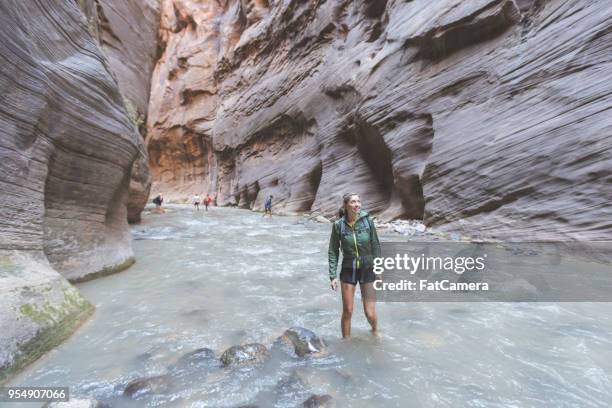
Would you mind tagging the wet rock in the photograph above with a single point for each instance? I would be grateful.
(318, 401)
(77, 403)
(149, 385)
(244, 354)
(322, 219)
(303, 341)
(154, 358)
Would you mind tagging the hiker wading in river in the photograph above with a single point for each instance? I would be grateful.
(354, 233)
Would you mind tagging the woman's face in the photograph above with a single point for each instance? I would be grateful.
(354, 204)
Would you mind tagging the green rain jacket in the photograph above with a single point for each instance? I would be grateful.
(360, 243)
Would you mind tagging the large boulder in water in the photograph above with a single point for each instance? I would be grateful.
(244, 354)
(304, 341)
(149, 385)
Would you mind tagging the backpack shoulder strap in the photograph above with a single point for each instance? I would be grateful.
(366, 223)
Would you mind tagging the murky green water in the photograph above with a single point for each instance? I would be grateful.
(224, 277)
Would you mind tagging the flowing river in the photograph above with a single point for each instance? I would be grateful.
(226, 277)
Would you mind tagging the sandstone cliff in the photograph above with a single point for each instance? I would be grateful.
(126, 33)
(69, 155)
(491, 116)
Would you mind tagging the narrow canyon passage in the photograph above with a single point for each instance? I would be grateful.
(225, 277)
(484, 121)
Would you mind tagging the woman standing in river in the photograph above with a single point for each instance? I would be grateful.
(355, 234)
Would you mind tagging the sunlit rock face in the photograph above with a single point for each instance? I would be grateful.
(69, 153)
(486, 116)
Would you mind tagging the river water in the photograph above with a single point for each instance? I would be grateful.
(225, 277)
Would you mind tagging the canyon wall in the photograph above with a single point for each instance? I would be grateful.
(489, 117)
(126, 33)
(70, 159)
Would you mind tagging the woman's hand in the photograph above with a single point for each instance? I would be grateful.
(334, 284)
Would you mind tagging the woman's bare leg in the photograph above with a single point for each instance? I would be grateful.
(348, 297)
(368, 297)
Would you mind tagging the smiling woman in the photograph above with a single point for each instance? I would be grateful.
(354, 233)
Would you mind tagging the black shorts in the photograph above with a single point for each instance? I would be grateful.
(362, 275)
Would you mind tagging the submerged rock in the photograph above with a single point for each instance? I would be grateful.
(303, 341)
(302, 379)
(202, 357)
(149, 385)
(319, 401)
(244, 354)
(296, 381)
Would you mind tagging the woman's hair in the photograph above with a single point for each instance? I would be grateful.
(345, 199)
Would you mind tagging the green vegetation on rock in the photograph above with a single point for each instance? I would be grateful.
(57, 322)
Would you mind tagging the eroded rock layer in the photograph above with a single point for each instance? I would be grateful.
(69, 154)
(126, 32)
(489, 116)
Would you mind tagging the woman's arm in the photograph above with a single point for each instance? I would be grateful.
(333, 252)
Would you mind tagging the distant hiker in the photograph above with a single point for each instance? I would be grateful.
(268, 207)
(196, 202)
(158, 201)
(207, 201)
(355, 235)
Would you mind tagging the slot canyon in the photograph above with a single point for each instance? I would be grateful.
(488, 118)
